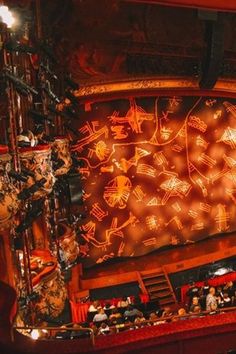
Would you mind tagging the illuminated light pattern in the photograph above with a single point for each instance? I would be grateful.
(229, 137)
(117, 192)
(202, 186)
(125, 165)
(97, 212)
(149, 242)
(193, 213)
(118, 132)
(176, 207)
(222, 218)
(160, 159)
(147, 170)
(105, 258)
(84, 172)
(177, 148)
(134, 117)
(201, 142)
(197, 123)
(93, 135)
(210, 102)
(205, 207)
(217, 114)
(174, 240)
(177, 221)
(198, 226)
(231, 108)
(100, 149)
(154, 202)
(174, 187)
(230, 193)
(107, 169)
(152, 222)
(165, 133)
(138, 193)
(207, 160)
(156, 173)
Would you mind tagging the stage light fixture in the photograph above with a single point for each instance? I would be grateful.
(46, 69)
(40, 117)
(14, 46)
(18, 82)
(6, 16)
(71, 83)
(28, 192)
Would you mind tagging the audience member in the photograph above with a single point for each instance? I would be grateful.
(211, 301)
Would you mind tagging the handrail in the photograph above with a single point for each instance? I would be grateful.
(56, 328)
(171, 318)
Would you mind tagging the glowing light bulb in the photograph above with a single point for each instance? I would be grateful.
(6, 16)
(34, 334)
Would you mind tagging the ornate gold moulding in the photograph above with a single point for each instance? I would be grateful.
(152, 86)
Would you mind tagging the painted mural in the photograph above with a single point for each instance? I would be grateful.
(157, 172)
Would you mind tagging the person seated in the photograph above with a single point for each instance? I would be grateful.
(195, 302)
(211, 299)
(167, 312)
(181, 314)
(192, 291)
(131, 313)
(93, 310)
(205, 289)
(107, 308)
(155, 320)
(226, 301)
(139, 319)
(103, 329)
(63, 333)
(100, 316)
(123, 303)
(77, 333)
(229, 288)
(213, 309)
(115, 314)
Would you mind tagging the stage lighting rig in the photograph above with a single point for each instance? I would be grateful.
(18, 82)
(48, 71)
(15, 46)
(17, 176)
(39, 117)
(51, 94)
(35, 211)
(6, 16)
(28, 192)
(71, 83)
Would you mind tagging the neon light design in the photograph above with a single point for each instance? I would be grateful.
(197, 123)
(117, 192)
(147, 174)
(201, 142)
(152, 222)
(100, 149)
(124, 165)
(174, 187)
(222, 218)
(229, 137)
(134, 117)
(98, 212)
(147, 170)
(138, 193)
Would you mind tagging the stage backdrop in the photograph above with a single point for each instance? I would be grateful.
(158, 171)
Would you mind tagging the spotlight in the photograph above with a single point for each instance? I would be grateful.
(34, 334)
(6, 16)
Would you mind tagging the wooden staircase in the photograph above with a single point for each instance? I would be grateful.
(159, 288)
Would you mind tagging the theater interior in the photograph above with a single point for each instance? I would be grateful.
(117, 184)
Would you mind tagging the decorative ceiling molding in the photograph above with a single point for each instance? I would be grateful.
(146, 86)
